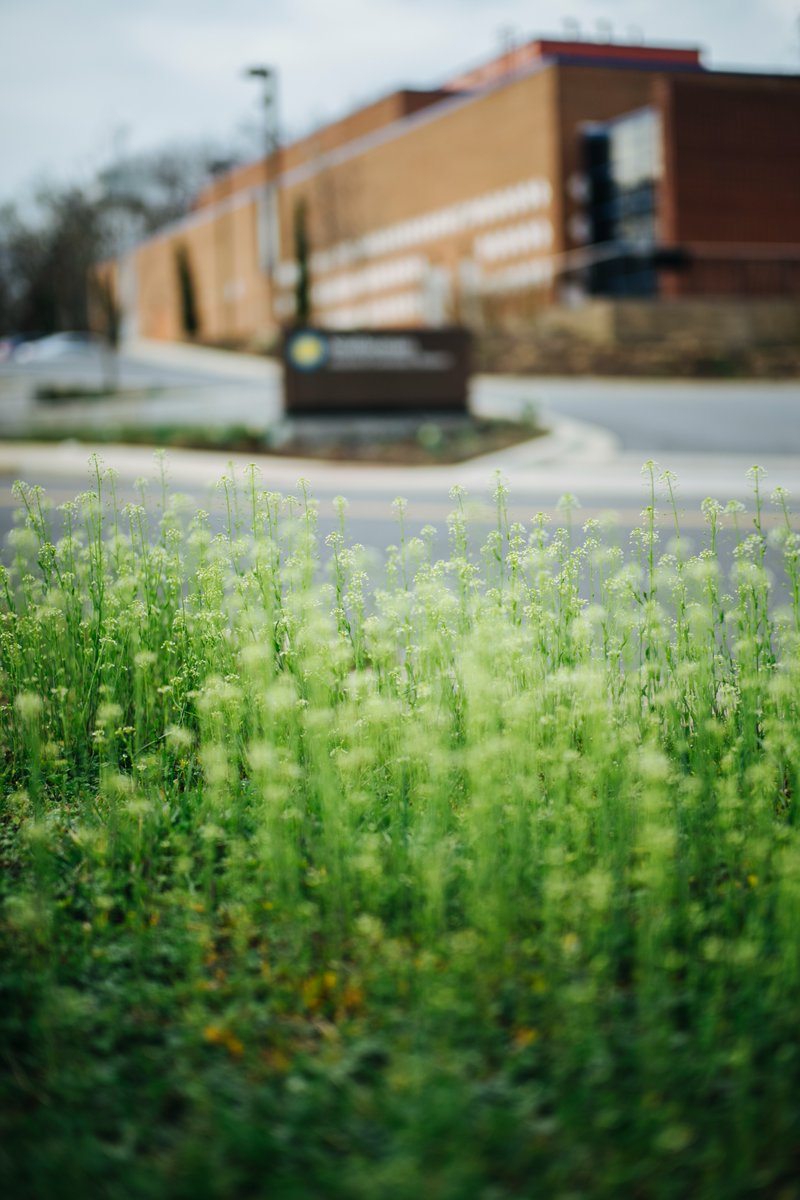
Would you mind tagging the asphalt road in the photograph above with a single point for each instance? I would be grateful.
(159, 387)
(184, 386)
(615, 487)
(372, 520)
(707, 433)
(656, 417)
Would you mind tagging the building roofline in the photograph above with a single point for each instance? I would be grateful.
(444, 107)
(744, 74)
(345, 152)
(662, 67)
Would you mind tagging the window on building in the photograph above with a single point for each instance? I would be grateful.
(623, 166)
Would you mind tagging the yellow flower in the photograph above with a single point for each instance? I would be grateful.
(525, 1037)
(310, 992)
(234, 1047)
(277, 1059)
(353, 997)
(217, 1036)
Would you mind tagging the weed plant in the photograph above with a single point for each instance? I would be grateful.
(480, 881)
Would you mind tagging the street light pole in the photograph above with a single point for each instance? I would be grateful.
(270, 227)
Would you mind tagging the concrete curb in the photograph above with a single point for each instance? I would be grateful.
(568, 442)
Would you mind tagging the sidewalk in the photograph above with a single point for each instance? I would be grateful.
(569, 443)
(228, 364)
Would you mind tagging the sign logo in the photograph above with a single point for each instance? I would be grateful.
(308, 351)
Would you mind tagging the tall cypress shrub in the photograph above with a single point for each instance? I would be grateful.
(301, 254)
(190, 320)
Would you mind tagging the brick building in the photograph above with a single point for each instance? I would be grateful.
(557, 170)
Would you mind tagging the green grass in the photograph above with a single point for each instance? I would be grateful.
(450, 884)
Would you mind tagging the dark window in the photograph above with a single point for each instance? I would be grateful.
(623, 166)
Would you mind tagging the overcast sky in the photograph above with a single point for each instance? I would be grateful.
(79, 76)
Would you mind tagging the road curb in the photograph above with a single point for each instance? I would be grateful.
(568, 442)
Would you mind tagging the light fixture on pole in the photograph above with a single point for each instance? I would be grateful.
(269, 226)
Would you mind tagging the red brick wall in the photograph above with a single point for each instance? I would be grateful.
(732, 158)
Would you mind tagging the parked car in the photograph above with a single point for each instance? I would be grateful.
(56, 346)
(10, 344)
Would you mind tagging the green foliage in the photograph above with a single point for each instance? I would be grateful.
(480, 881)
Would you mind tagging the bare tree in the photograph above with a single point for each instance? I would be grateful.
(45, 262)
(49, 255)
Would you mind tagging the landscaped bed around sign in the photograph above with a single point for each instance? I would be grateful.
(480, 879)
(426, 443)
